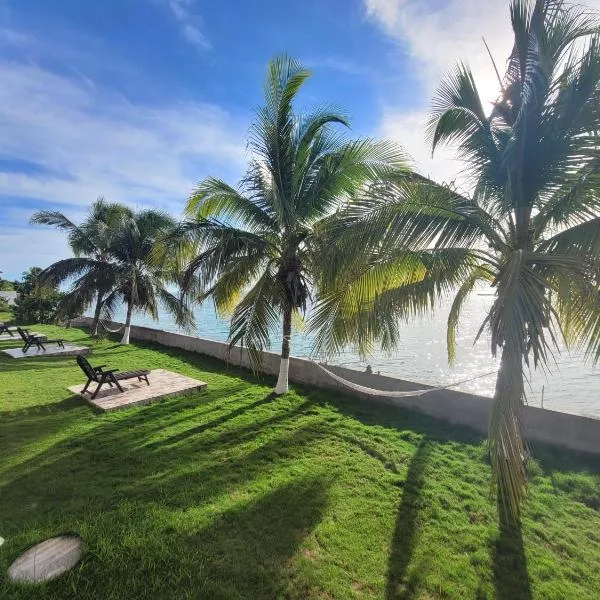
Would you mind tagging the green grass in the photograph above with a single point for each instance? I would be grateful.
(233, 493)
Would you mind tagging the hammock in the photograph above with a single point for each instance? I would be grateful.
(110, 330)
(394, 394)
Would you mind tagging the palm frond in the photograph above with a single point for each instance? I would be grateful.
(215, 199)
(479, 273)
(257, 316)
(184, 316)
(582, 240)
(54, 218)
(369, 302)
(272, 134)
(233, 280)
(342, 173)
(69, 268)
(418, 214)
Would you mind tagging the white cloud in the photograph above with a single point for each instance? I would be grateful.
(435, 40)
(408, 127)
(85, 140)
(18, 252)
(90, 141)
(437, 36)
(189, 22)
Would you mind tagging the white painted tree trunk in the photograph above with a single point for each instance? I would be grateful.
(282, 380)
(125, 338)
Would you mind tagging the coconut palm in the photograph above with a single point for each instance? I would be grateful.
(257, 248)
(531, 226)
(92, 270)
(139, 283)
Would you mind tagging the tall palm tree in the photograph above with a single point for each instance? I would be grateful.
(530, 228)
(139, 283)
(92, 270)
(257, 248)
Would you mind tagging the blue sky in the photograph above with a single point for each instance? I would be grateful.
(138, 99)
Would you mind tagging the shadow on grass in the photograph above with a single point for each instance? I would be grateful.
(114, 458)
(511, 578)
(38, 363)
(237, 412)
(33, 424)
(405, 531)
(71, 402)
(247, 551)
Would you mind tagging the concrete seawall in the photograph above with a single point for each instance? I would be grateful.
(560, 429)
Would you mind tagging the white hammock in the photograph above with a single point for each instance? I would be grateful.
(111, 330)
(390, 393)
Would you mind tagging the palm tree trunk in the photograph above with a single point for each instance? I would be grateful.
(282, 380)
(507, 448)
(96, 320)
(125, 339)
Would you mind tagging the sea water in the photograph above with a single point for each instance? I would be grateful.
(568, 383)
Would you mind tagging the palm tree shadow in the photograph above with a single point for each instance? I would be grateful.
(403, 541)
(511, 578)
(237, 412)
(248, 551)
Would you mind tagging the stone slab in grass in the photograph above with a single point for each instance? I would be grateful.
(51, 350)
(47, 560)
(6, 337)
(163, 384)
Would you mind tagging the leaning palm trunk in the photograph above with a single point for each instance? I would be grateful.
(282, 380)
(125, 338)
(507, 451)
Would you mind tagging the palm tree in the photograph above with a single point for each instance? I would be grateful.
(139, 283)
(257, 249)
(530, 228)
(92, 270)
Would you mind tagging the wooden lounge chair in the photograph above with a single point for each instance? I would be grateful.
(34, 340)
(5, 329)
(101, 376)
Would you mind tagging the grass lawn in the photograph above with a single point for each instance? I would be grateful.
(233, 493)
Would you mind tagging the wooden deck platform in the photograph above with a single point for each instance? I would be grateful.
(163, 384)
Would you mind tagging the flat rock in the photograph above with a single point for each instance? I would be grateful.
(51, 350)
(47, 560)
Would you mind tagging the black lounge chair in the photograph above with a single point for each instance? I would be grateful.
(5, 329)
(100, 376)
(34, 340)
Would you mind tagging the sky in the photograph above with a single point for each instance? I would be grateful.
(138, 100)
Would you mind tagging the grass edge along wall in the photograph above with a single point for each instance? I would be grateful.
(574, 432)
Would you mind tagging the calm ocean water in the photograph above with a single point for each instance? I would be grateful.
(569, 383)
